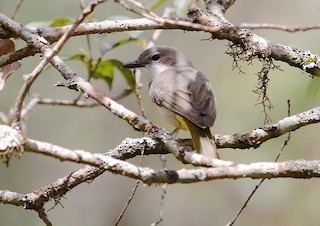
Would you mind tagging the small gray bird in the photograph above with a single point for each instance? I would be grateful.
(182, 93)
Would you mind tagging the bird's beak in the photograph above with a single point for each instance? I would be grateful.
(134, 64)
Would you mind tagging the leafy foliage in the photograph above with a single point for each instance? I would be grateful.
(61, 21)
(104, 69)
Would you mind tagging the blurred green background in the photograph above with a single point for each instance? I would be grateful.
(277, 202)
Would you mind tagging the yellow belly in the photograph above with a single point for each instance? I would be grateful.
(174, 119)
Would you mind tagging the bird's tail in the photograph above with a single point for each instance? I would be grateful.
(203, 140)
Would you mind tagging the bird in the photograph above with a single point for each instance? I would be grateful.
(182, 93)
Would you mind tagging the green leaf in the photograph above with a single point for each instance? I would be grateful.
(156, 4)
(107, 46)
(82, 56)
(79, 56)
(103, 70)
(61, 21)
(128, 75)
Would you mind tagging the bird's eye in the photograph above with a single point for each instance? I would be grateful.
(155, 57)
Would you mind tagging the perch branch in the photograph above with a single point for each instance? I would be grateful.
(35, 200)
(103, 162)
(293, 169)
(226, 169)
(99, 163)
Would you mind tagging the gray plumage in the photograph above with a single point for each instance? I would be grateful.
(180, 89)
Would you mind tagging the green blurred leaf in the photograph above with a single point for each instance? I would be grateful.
(107, 46)
(61, 21)
(83, 56)
(102, 70)
(156, 4)
(128, 75)
(78, 56)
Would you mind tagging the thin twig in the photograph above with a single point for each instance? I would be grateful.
(163, 192)
(148, 14)
(139, 100)
(173, 22)
(132, 194)
(134, 189)
(43, 216)
(49, 54)
(245, 204)
(126, 92)
(260, 183)
(157, 33)
(288, 137)
(140, 6)
(286, 28)
(63, 102)
(19, 3)
(162, 198)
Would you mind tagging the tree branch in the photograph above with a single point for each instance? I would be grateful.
(259, 135)
(102, 162)
(127, 149)
(99, 163)
(75, 82)
(294, 169)
(214, 23)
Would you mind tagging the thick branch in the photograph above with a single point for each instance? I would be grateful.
(216, 24)
(9, 197)
(259, 135)
(221, 169)
(99, 163)
(222, 5)
(36, 199)
(294, 169)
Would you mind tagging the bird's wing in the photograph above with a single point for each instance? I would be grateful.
(186, 92)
